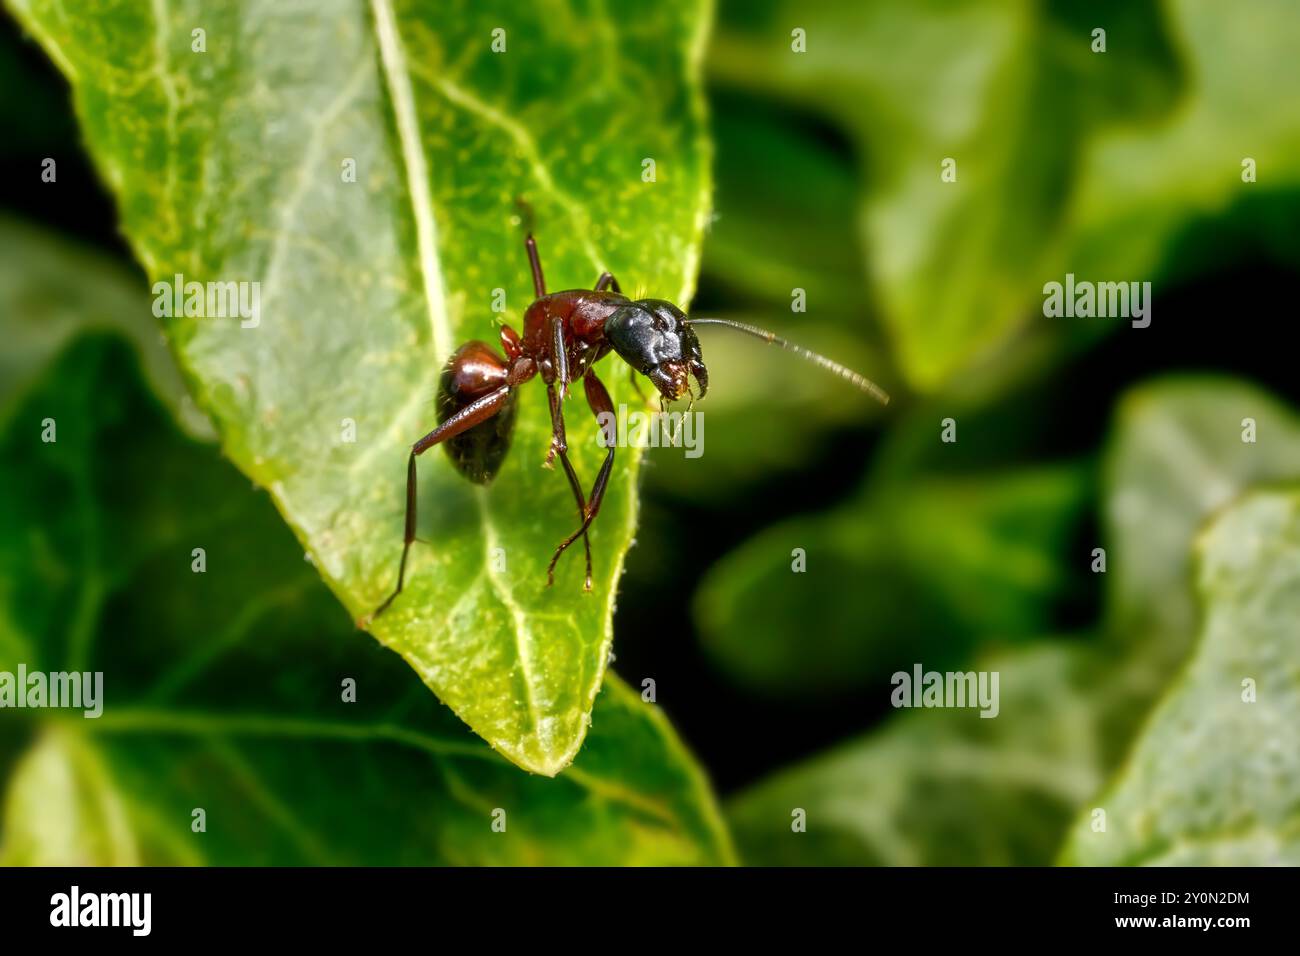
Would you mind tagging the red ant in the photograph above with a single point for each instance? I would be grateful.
(565, 334)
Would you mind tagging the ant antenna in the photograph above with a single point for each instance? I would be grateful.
(835, 368)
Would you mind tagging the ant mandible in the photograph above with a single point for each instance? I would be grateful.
(565, 334)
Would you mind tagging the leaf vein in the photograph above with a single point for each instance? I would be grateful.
(527, 145)
(398, 79)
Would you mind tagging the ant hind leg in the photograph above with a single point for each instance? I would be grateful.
(465, 419)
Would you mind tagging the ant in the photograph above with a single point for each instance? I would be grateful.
(565, 334)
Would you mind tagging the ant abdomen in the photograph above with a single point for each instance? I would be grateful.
(474, 371)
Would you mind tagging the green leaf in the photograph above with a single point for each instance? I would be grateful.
(1177, 456)
(1143, 186)
(1214, 779)
(942, 787)
(223, 690)
(915, 570)
(228, 165)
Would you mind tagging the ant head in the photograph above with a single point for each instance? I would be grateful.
(653, 337)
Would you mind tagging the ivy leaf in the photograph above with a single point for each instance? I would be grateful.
(229, 134)
(226, 690)
(1179, 454)
(1214, 779)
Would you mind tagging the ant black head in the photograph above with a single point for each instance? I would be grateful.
(653, 336)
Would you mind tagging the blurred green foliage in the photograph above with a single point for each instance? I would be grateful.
(1066, 158)
(1214, 777)
(937, 564)
(1122, 165)
(53, 291)
(948, 787)
(944, 787)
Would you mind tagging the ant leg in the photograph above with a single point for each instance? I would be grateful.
(599, 400)
(557, 429)
(469, 416)
(559, 441)
(407, 537)
(539, 282)
(560, 356)
(558, 352)
(526, 215)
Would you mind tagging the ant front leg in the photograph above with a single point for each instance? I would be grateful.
(558, 351)
(599, 400)
(469, 416)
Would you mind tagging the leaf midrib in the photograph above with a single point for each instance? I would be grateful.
(397, 79)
